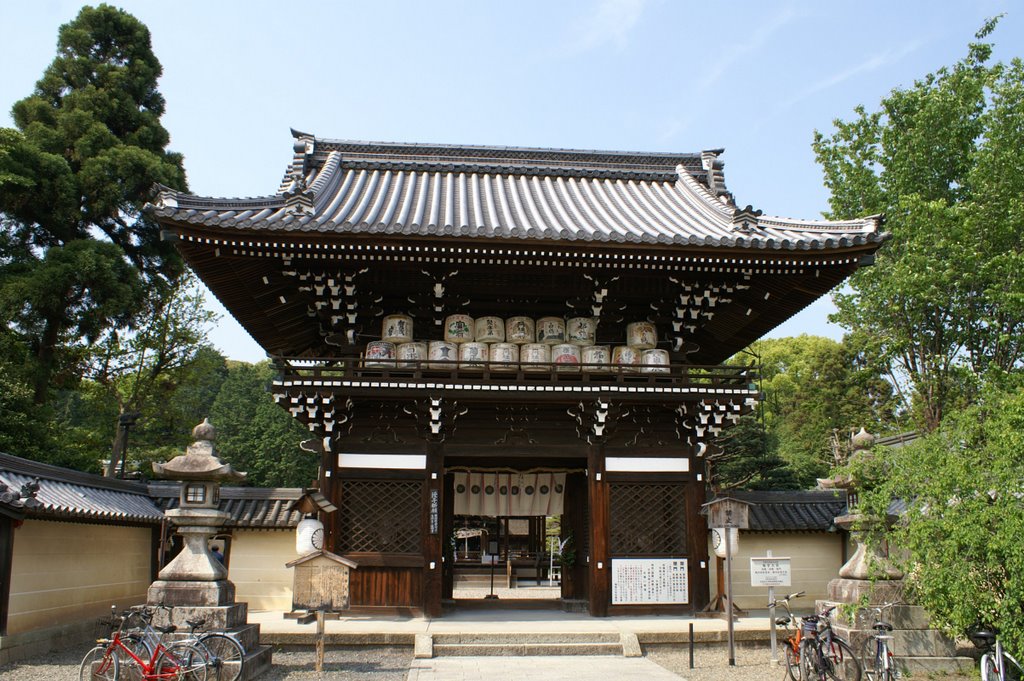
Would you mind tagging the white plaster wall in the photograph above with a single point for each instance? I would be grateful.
(72, 572)
(815, 559)
(257, 568)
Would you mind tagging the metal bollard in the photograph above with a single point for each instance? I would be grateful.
(691, 645)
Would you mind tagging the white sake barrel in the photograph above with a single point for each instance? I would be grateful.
(304, 531)
(504, 352)
(566, 357)
(626, 357)
(379, 354)
(409, 352)
(472, 355)
(551, 330)
(581, 331)
(458, 328)
(657, 361)
(397, 328)
(519, 330)
(641, 335)
(443, 355)
(598, 356)
(489, 330)
(532, 354)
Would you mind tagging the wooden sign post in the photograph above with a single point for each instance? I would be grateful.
(728, 513)
(320, 586)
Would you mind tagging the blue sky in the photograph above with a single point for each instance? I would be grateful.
(756, 78)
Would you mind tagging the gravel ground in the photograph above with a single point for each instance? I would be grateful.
(392, 664)
(290, 664)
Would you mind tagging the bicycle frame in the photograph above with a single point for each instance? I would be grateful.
(149, 670)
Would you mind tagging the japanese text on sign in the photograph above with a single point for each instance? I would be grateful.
(650, 580)
(770, 572)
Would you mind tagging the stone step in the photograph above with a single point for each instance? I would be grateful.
(526, 638)
(525, 649)
(926, 667)
(257, 662)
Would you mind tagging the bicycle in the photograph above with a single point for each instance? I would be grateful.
(225, 655)
(179, 661)
(792, 641)
(876, 653)
(996, 663)
(824, 654)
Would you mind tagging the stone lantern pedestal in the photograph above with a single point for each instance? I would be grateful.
(195, 583)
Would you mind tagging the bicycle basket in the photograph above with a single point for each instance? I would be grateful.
(809, 625)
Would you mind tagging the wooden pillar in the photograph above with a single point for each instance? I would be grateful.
(433, 538)
(600, 559)
(447, 530)
(697, 536)
(330, 487)
(6, 560)
(574, 524)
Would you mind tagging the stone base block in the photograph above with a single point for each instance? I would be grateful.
(852, 590)
(219, 617)
(220, 592)
(928, 667)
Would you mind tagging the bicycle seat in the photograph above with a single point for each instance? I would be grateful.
(783, 621)
(882, 626)
(196, 623)
(170, 629)
(982, 638)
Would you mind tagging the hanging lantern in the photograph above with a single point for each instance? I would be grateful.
(309, 536)
(718, 539)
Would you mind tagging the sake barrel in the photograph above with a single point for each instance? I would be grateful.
(657, 361)
(397, 328)
(442, 355)
(597, 356)
(626, 358)
(551, 330)
(533, 354)
(472, 355)
(581, 331)
(519, 330)
(504, 352)
(489, 330)
(409, 352)
(458, 328)
(566, 357)
(641, 335)
(379, 354)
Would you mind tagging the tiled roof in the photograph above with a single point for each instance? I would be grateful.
(71, 495)
(788, 511)
(250, 507)
(342, 187)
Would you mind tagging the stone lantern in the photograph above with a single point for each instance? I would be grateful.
(195, 577)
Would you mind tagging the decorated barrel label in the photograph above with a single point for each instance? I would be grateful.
(551, 330)
(641, 335)
(409, 352)
(472, 355)
(535, 356)
(626, 357)
(397, 328)
(519, 330)
(380, 354)
(458, 328)
(443, 355)
(489, 330)
(657, 361)
(566, 357)
(504, 357)
(581, 331)
(597, 357)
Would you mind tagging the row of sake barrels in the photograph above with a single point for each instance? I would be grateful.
(461, 328)
(508, 356)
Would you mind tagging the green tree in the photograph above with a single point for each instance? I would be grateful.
(77, 254)
(944, 160)
(960, 534)
(812, 386)
(256, 435)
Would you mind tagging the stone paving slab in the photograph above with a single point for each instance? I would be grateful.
(548, 668)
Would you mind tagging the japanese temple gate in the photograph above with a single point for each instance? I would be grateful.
(359, 232)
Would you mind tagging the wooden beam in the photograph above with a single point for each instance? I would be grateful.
(433, 530)
(600, 559)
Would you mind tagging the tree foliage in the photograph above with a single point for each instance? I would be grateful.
(256, 435)
(944, 160)
(961, 532)
(812, 386)
(77, 254)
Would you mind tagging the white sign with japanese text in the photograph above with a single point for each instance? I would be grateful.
(770, 572)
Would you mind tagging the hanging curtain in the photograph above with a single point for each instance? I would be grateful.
(509, 494)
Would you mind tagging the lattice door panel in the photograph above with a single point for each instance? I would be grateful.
(380, 515)
(648, 519)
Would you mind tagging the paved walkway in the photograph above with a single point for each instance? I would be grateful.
(547, 668)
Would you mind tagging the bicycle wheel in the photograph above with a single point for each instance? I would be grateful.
(792, 662)
(989, 671)
(808, 661)
(871, 660)
(838, 660)
(181, 661)
(225, 656)
(142, 648)
(98, 665)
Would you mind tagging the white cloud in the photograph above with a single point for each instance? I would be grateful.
(731, 54)
(612, 23)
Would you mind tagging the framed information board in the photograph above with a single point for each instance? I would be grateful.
(650, 580)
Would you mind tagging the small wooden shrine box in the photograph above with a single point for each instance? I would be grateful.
(321, 581)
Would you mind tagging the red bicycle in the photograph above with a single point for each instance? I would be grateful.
(119, 657)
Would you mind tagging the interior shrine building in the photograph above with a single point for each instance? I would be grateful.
(491, 345)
